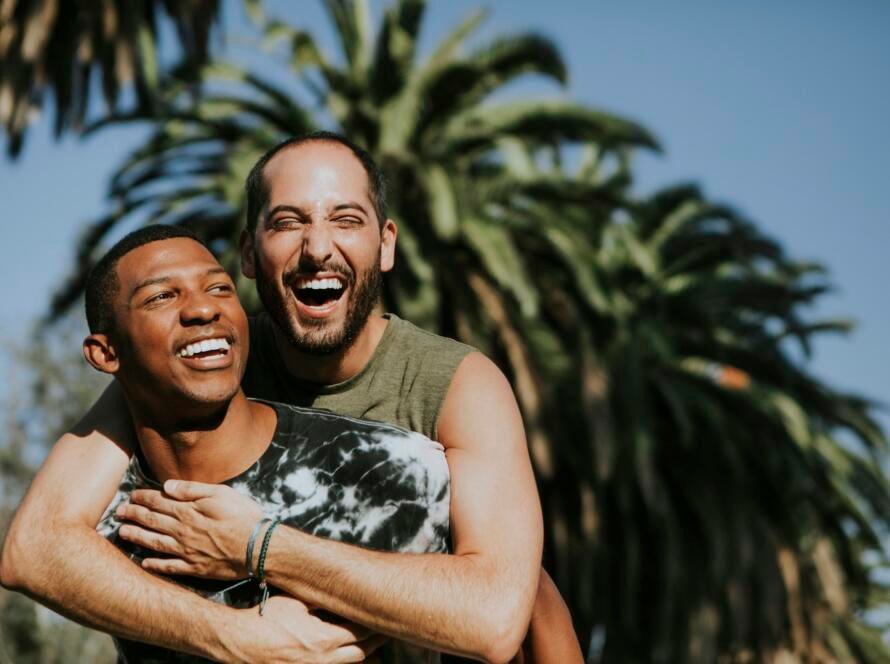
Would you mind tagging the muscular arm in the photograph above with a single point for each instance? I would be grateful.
(53, 553)
(476, 602)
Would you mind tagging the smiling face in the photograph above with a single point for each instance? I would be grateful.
(319, 251)
(180, 334)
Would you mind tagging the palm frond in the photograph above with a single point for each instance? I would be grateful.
(59, 47)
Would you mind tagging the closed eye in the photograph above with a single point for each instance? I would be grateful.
(349, 221)
(285, 223)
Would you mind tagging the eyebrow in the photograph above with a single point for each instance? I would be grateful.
(351, 205)
(153, 281)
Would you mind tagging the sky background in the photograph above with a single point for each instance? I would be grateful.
(778, 108)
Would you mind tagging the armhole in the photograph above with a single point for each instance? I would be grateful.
(437, 412)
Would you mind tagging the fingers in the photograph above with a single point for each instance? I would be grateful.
(355, 632)
(358, 652)
(373, 642)
(185, 490)
(286, 602)
(335, 636)
(170, 566)
(149, 539)
(148, 518)
(157, 502)
(345, 634)
(340, 641)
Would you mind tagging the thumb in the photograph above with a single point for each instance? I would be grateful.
(185, 490)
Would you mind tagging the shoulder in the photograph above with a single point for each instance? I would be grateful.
(477, 377)
(479, 404)
(420, 367)
(407, 332)
(433, 358)
(296, 419)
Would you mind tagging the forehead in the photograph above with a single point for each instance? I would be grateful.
(316, 172)
(174, 258)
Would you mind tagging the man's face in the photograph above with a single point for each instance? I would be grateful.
(180, 329)
(318, 252)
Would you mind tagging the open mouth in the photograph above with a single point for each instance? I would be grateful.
(206, 349)
(318, 293)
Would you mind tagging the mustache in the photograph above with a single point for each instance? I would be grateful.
(308, 267)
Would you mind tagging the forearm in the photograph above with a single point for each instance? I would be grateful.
(470, 605)
(76, 572)
(551, 635)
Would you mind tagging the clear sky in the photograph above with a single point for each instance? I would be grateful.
(779, 108)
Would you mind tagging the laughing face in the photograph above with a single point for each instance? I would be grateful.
(181, 334)
(319, 250)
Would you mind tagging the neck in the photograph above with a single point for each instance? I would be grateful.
(335, 368)
(209, 449)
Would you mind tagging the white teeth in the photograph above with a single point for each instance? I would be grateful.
(318, 284)
(204, 346)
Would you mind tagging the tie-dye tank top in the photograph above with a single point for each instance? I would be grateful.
(361, 482)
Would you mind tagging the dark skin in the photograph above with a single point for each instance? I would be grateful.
(352, 238)
(53, 552)
(171, 297)
(318, 213)
(191, 418)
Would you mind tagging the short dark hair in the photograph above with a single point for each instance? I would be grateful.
(258, 192)
(102, 283)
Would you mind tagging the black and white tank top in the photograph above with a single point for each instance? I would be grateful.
(366, 483)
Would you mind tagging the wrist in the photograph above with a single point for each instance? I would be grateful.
(283, 558)
(250, 557)
(243, 636)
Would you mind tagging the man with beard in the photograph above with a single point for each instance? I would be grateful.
(166, 323)
(317, 239)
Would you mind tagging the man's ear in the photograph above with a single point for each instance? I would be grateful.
(248, 269)
(388, 235)
(100, 353)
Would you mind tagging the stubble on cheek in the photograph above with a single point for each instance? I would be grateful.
(320, 336)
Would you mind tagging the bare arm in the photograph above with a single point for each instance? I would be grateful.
(53, 553)
(476, 602)
(551, 637)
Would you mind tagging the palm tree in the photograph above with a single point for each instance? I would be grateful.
(726, 496)
(435, 123)
(57, 46)
(704, 494)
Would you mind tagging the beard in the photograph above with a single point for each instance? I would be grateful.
(317, 337)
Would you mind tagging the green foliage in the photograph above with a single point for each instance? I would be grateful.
(48, 389)
(60, 47)
(706, 498)
(718, 489)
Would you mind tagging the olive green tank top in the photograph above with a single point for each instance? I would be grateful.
(404, 383)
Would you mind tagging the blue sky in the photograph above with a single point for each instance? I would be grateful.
(778, 108)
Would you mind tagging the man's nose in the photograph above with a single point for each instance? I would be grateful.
(317, 243)
(198, 309)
